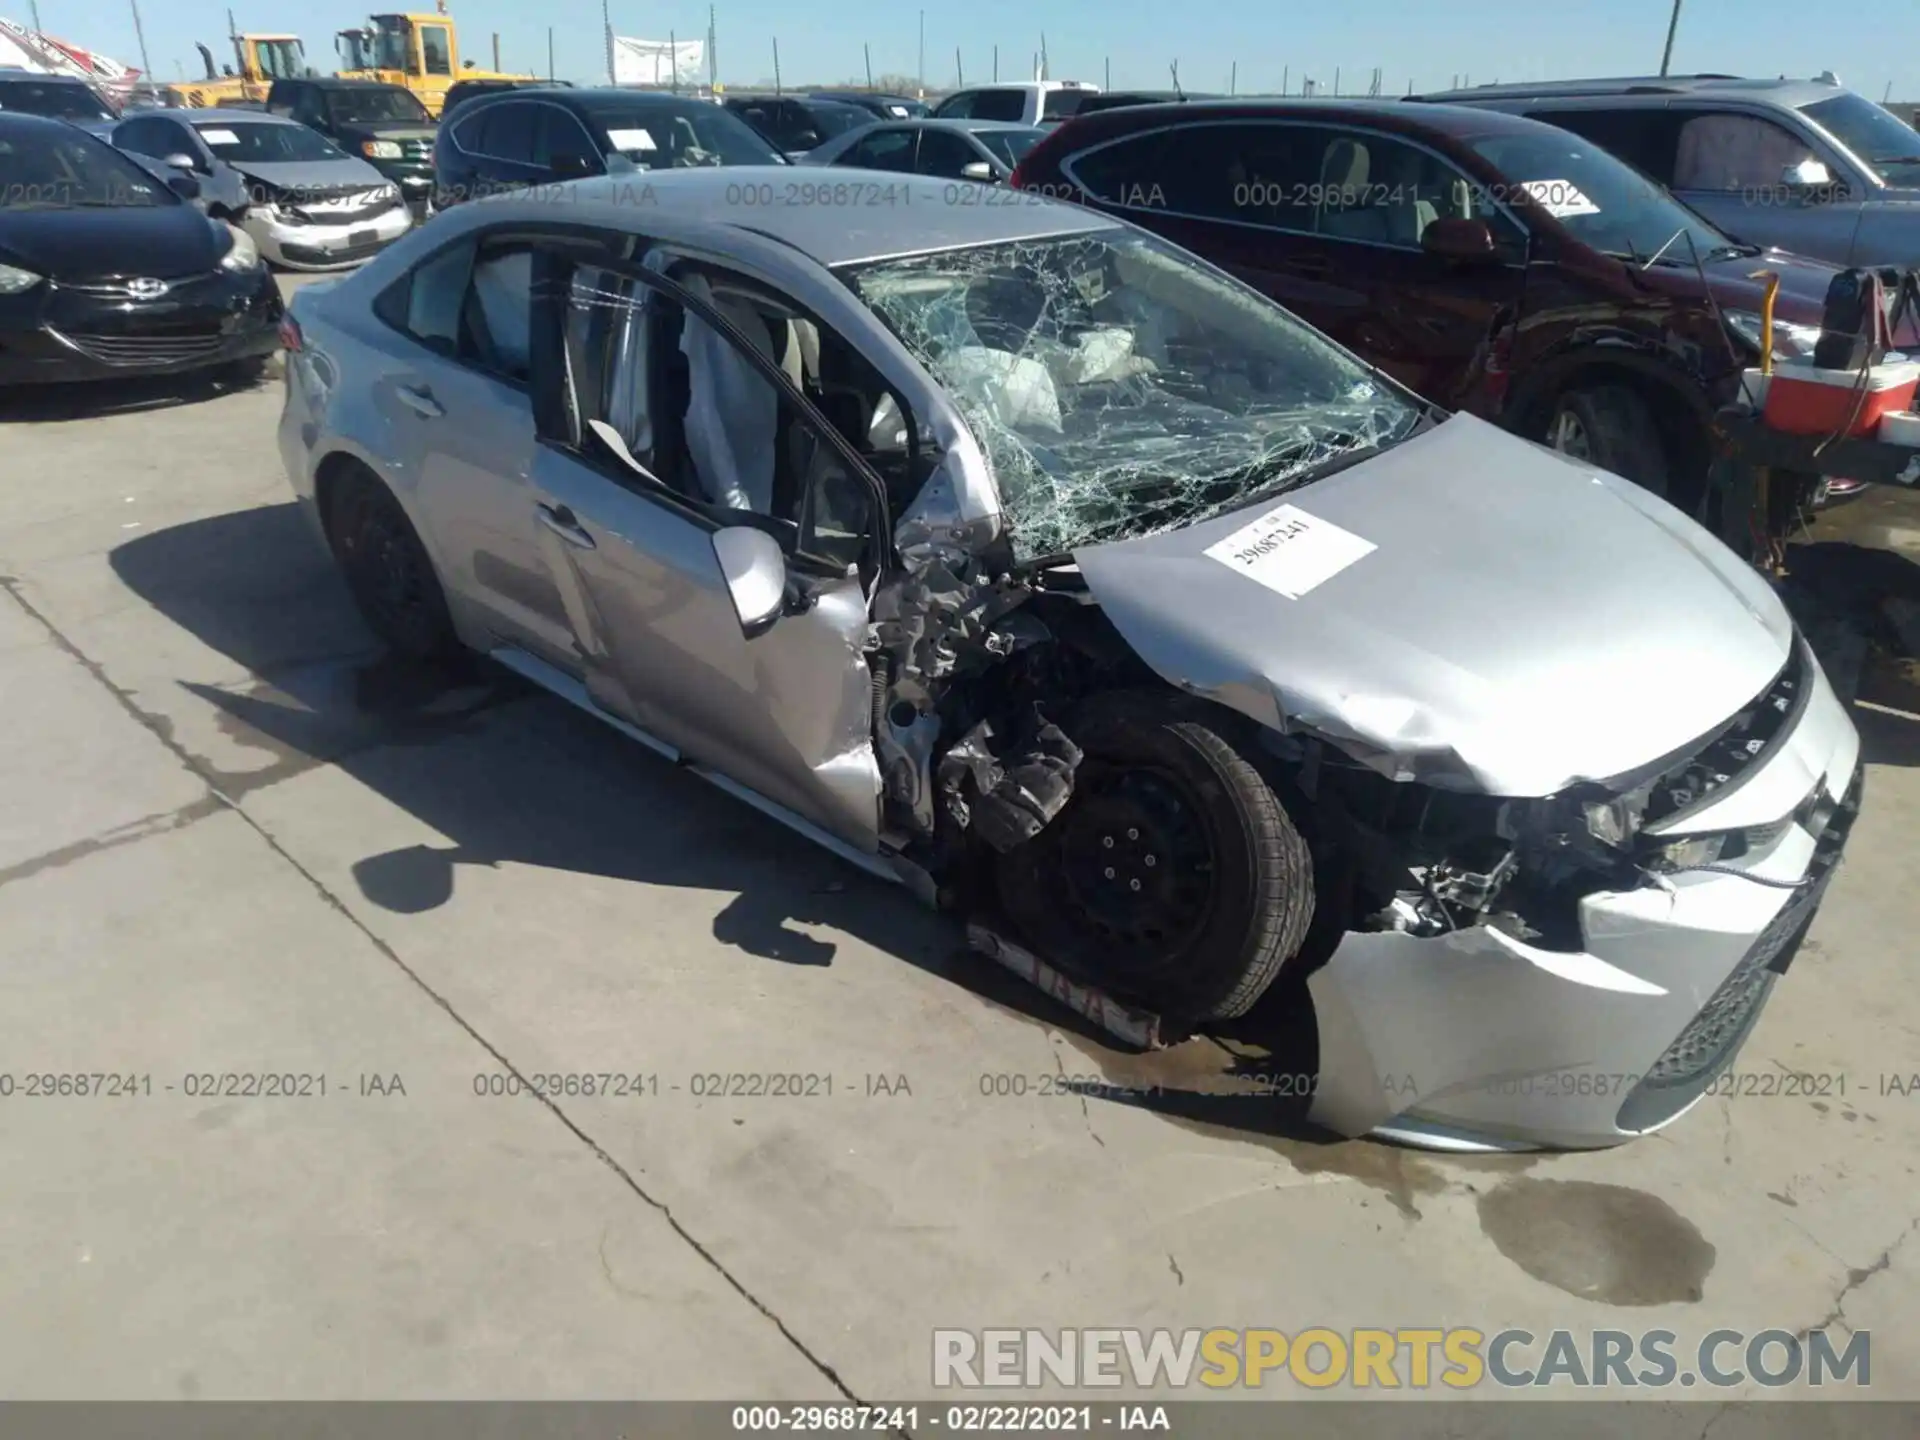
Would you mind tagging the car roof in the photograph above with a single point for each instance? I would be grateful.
(21, 120)
(1458, 121)
(1651, 89)
(953, 122)
(255, 117)
(693, 206)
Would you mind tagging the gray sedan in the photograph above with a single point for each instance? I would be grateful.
(307, 203)
(1022, 558)
(984, 150)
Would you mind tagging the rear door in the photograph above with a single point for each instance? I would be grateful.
(456, 401)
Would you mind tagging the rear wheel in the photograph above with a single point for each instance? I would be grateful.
(1614, 428)
(388, 571)
(1173, 876)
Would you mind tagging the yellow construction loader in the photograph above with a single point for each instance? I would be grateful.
(262, 59)
(421, 52)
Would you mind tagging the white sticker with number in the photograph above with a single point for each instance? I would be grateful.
(1559, 198)
(219, 137)
(625, 140)
(1289, 551)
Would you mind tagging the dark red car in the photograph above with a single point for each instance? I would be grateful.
(1492, 263)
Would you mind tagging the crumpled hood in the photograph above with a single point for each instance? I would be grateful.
(1520, 621)
(313, 177)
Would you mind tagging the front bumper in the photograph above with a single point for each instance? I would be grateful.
(70, 333)
(1474, 1040)
(415, 181)
(326, 247)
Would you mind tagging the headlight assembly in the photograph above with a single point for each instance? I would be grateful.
(15, 281)
(243, 255)
(1788, 339)
(380, 150)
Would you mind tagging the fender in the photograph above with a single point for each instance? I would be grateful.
(1542, 377)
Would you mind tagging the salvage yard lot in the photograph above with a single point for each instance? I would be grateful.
(234, 842)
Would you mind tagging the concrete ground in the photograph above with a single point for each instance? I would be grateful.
(233, 842)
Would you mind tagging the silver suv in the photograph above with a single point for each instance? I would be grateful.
(1805, 165)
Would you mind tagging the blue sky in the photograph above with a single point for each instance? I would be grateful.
(1425, 41)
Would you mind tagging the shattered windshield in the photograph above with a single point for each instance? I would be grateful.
(1120, 388)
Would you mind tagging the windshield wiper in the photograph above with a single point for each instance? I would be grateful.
(1731, 252)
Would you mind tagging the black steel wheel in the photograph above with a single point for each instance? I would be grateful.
(1173, 877)
(389, 572)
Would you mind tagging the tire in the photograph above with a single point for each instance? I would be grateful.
(389, 572)
(1615, 429)
(248, 373)
(1224, 881)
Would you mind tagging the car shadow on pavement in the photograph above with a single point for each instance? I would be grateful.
(135, 394)
(504, 775)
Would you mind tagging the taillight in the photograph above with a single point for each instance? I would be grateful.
(290, 336)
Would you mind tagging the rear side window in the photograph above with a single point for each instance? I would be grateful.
(998, 105)
(478, 311)
(1059, 104)
(883, 150)
(1247, 173)
(957, 107)
(1645, 138)
(509, 132)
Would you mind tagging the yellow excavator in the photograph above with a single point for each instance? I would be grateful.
(421, 52)
(262, 59)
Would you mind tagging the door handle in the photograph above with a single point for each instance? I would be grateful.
(420, 400)
(560, 520)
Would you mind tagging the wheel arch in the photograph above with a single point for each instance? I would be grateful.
(1678, 400)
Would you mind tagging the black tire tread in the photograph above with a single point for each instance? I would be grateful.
(1625, 435)
(440, 644)
(1283, 903)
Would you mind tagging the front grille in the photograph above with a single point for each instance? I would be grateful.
(1714, 1035)
(1738, 747)
(177, 347)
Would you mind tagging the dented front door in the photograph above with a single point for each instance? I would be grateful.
(786, 713)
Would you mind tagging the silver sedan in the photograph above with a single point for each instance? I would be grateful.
(1024, 559)
(981, 150)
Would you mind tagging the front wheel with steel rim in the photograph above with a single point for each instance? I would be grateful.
(1173, 877)
(388, 571)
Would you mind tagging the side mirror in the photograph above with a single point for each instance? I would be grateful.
(182, 162)
(1452, 238)
(755, 569)
(978, 170)
(571, 165)
(185, 186)
(1807, 175)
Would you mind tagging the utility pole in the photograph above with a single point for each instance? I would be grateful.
(606, 23)
(959, 75)
(920, 73)
(673, 63)
(1233, 79)
(496, 51)
(1107, 72)
(139, 33)
(1673, 24)
(996, 64)
(549, 52)
(35, 7)
(776, 64)
(1043, 57)
(866, 51)
(713, 53)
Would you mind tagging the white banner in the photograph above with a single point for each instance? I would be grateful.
(657, 62)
